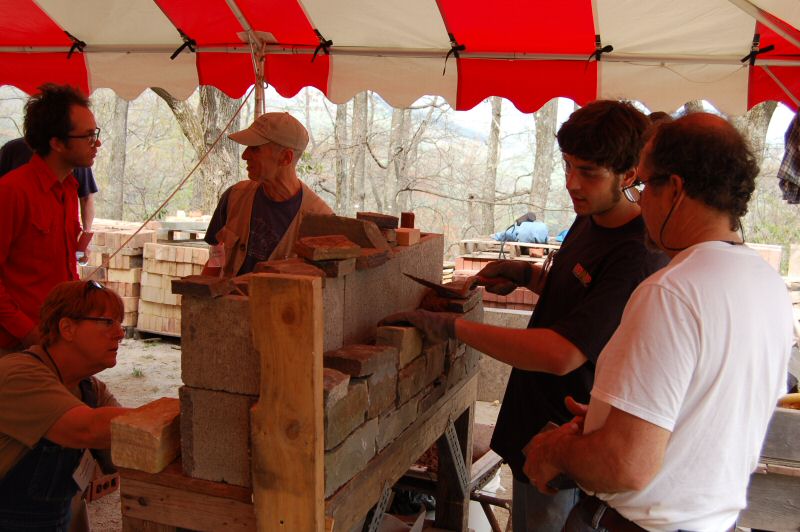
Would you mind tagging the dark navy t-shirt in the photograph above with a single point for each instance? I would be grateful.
(15, 153)
(269, 221)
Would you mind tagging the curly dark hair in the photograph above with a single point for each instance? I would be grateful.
(47, 115)
(714, 160)
(605, 132)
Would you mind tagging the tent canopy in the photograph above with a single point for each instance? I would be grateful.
(528, 51)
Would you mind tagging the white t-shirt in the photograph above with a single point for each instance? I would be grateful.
(702, 352)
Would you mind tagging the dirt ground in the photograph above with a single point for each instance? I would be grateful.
(149, 369)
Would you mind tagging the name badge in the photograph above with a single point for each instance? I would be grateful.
(84, 473)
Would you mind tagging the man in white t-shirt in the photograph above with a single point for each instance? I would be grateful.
(685, 388)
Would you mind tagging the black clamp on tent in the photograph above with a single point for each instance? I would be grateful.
(188, 42)
(455, 49)
(324, 45)
(77, 44)
(755, 51)
(599, 49)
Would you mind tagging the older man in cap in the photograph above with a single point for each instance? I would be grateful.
(258, 220)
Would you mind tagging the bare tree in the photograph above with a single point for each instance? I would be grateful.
(489, 185)
(754, 124)
(361, 126)
(342, 152)
(118, 136)
(202, 124)
(544, 148)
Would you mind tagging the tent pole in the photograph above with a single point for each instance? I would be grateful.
(759, 14)
(257, 52)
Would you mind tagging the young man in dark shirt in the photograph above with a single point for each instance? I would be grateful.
(582, 295)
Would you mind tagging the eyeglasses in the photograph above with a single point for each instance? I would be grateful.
(109, 323)
(94, 285)
(633, 192)
(92, 137)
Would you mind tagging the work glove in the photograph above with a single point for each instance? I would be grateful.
(511, 274)
(436, 326)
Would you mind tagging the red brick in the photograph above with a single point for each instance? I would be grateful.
(360, 360)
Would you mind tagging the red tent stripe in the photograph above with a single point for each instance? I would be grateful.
(36, 23)
(527, 84)
(29, 71)
(762, 87)
(291, 73)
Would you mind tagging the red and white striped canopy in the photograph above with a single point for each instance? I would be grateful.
(528, 51)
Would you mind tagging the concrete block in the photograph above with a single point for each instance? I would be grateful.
(361, 360)
(334, 387)
(333, 313)
(382, 391)
(374, 293)
(215, 435)
(493, 374)
(217, 351)
(350, 457)
(411, 380)
(407, 340)
(393, 423)
(346, 414)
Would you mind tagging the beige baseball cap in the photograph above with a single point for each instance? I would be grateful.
(280, 128)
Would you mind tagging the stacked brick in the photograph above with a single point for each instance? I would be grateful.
(159, 308)
(519, 299)
(123, 271)
(377, 381)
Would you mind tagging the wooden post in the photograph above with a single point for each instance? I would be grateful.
(286, 422)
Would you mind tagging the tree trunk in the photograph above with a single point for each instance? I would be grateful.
(489, 185)
(201, 126)
(754, 124)
(118, 134)
(545, 128)
(360, 131)
(396, 154)
(340, 136)
(693, 106)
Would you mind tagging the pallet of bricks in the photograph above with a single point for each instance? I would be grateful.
(519, 299)
(159, 308)
(120, 271)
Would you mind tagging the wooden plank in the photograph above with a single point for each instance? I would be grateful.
(383, 221)
(352, 502)
(361, 232)
(182, 508)
(173, 477)
(783, 435)
(772, 503)
(147, 438)
(130, 524)
(286, 423)
(452, 505)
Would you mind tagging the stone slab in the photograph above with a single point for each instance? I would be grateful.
(334, 387)
(393, 423)
(350, 457)
(411, 380)
(382, 391)
(346, 414)
(407, 340)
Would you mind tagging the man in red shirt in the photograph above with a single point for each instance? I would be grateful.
(39, 210)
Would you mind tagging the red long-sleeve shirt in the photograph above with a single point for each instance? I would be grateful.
(39, 231)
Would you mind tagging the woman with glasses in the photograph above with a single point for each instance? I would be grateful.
(53, 410)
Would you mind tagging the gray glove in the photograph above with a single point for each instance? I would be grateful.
(436, 326)
(514, 272)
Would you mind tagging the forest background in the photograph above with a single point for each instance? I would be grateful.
(464, 173)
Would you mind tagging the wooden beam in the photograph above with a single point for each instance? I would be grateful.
(352, 502)
(362, 232)
(286, 422)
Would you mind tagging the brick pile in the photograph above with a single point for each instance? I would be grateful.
(124, 271)
(159, 308)
(377, 381)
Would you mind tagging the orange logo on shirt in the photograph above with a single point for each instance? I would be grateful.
(581, 274)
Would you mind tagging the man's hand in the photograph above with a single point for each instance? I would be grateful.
(514, 272)
(436, 326)
(540, 455)
(576, 409)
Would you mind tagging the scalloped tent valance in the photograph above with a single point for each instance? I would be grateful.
(528, 51)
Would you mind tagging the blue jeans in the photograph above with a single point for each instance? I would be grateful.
(535, 511)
